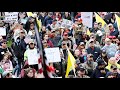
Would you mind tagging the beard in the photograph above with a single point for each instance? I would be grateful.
(90, 62)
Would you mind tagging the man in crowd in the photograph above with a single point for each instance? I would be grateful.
(90, 65)
(110, 48)
(92, 49)
(100, 71)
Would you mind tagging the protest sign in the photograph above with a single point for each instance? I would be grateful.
(11, 16)
(2, 31)
(66, 23)
(53, 54)
(32, 57)
(87, 18)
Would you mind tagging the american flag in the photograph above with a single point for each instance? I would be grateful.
(43, 66)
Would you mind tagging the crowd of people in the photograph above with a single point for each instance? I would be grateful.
(97, 55)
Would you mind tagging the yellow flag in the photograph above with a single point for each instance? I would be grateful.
(118, 21)
(39, 24)
(38, 21)
(29, 14)
(99, 19)
(88, 32)
(70, 64)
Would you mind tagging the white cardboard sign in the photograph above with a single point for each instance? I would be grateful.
(53, 54)
(87, 18)
(2, 31)
(11, 16)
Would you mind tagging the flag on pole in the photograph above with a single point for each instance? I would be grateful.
(118, 22)
(70, 64)
(99, 19)
(29, 14)
(38, 21)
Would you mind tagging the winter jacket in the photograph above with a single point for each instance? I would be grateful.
(97, 74)
(110, 49)
(114, 33)
(95, 52)
(55, 40)
(89, 68)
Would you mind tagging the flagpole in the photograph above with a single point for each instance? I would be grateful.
(40, 47)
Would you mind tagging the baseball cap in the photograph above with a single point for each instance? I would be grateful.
(82, 43)
(31, 41)
(110, 24)
(80, 68)
(101, 62)
(91, 40)
(90, 55)
(104, 51)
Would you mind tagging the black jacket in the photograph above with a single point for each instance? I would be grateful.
(95, 52)
(19, 49)
(97, 74)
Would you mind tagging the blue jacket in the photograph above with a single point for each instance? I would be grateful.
(95, 52)
(47, 20)
(114, 33)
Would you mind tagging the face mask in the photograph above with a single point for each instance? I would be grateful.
(18, 40)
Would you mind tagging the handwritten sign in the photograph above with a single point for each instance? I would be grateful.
(11, 16)
(33, 57)
(87, 18)
(2, 31)
(53, 54)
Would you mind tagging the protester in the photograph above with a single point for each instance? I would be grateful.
(81, 73)
(92, 49)
(110, 48)
(95, 48)
(112, 61)
(100, 71)
(113, 72)
(31, 55)
(89, 65)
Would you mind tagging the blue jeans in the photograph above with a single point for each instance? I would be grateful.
(17, 69)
